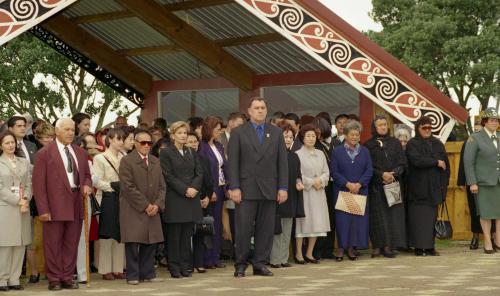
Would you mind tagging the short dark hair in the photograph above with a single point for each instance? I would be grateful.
(128, 129)
(207, 129)
(5, 134)
(422, 121)
(160, 123)
(114, 133)
(84, 142)
(285, 126)
(306, 119)
(307, 128)
(340, 116)
(77, 118)
(259, 99)
(235, 115)
(292, 116)
(194, 122)
(12, 121)
(326, 116)
(325, 128)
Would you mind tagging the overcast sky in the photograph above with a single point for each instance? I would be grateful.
(355, 12)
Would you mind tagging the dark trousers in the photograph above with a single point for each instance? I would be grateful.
(325, 245)
(198, 250)
(261, 215)
(60, 244)
(179, 252)
(140, 261)
(212, 256)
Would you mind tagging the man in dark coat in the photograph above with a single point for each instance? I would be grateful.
(142, 196)
(258, 178)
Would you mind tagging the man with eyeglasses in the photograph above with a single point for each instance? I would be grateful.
(142, 198)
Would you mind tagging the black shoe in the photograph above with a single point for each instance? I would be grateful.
(309, 260)
(474, 243)
(352, 258)
(200, 270)
(376, 253)
(275, 265)
(176, 275)
(286, 265)
(301, 262)
(34, 279)
(432, 252)
(489, 252)
(339, 258)
(389, 254)
(16, 288)
(70, 285)
(240, 271)
(4, 289)
(420, 252)
(356, 253)
(496, 248)
(262, 272)
(220, 265)
(55, 287)
(186, 274)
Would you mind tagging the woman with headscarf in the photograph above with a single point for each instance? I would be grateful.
(428, 176)
(387, 223)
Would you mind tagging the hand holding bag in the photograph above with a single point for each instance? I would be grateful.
(443, 228)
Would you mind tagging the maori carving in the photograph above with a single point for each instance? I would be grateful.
(350, 63)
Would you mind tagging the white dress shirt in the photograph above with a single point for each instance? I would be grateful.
(65, 160)
(25, 150)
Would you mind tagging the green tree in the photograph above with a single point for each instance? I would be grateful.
(454, 44)
(36, 79)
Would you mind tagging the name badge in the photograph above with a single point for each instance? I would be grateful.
(15, 189)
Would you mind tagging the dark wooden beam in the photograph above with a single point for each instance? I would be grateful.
(99, 52)
(192, 41)
(238, 41)
(193, 4)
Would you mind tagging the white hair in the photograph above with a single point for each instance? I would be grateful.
(60, 121)
(402, 132)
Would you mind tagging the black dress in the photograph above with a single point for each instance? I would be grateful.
(427, 187)
(387, 224)
(293, 207)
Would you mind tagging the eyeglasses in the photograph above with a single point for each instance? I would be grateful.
(426, 128)
(144, 143)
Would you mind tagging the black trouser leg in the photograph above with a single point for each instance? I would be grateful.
(146, 261)
(132, 261)
(198, 250)
(174, 257)
(185, 253)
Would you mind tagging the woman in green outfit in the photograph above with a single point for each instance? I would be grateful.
(482, 171)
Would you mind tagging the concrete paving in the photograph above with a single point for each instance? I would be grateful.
(458, 271)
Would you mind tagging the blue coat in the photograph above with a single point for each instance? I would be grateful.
(352, 230)
(207, 152)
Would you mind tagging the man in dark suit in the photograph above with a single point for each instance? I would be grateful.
(26, 149)
(61, 177)
(340, 122)
(234, 120)
(258, 178)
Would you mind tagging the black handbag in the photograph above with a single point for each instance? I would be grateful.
(443, 228)
(95, 208)
(205, 226)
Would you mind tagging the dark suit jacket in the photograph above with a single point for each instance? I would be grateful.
(51, 186)
(181, 172)
(259, 170)
(31, 147)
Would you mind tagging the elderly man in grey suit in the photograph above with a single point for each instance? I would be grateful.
(258, 179)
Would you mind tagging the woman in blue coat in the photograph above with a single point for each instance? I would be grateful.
(351, 170)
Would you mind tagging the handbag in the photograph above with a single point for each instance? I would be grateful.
(205, 226)
(393, 193)
(351, 203)
(443, 228)
(95, 208)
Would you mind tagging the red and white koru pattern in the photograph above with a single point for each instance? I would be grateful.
(336, 53)
(17, 16)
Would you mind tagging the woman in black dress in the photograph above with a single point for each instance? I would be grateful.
(184, 176)
(387, 224)
(428, 177)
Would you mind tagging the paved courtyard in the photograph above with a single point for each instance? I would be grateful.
(458, 271)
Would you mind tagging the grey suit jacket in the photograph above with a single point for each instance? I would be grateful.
(259, 170)
(482, 160)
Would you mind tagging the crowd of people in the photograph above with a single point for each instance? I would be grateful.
(188, 195)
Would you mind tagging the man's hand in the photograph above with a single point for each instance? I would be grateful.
(87, 190)
(282, 196)
(191, 192)
(474, 188)
(45, 218)
(442, 164)
(235, 195)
